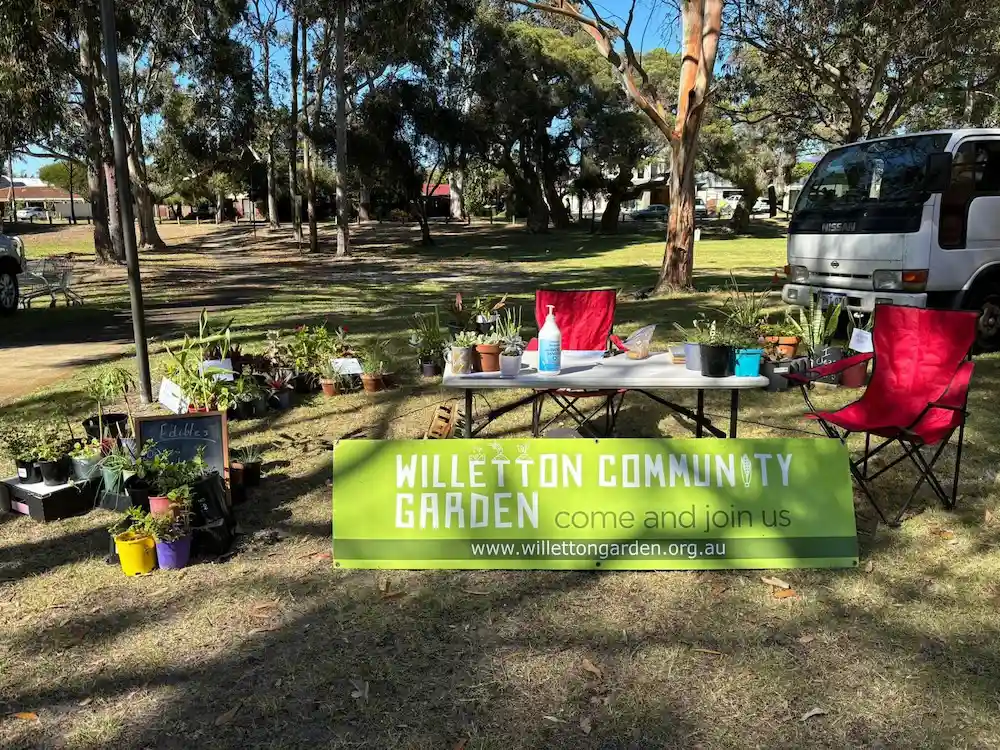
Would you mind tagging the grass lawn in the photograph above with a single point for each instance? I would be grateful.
(276, 648)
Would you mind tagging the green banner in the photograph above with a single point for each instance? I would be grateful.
(618, 504)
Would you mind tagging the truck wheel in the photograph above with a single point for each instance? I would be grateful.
(8, 291)
(985, 299)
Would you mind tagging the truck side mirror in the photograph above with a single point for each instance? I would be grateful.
(937, 172)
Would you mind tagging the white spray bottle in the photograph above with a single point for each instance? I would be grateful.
(550, 345)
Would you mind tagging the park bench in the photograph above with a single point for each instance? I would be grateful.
(48, 277)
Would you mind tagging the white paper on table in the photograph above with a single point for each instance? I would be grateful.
(861, 341)
(224, 364)
(347, 366)
(171, 397)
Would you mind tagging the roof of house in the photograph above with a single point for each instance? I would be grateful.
(441, 191)
(42, 193)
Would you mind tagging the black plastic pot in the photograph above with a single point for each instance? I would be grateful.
(115, 425)
(430, 369)
(281, 400)
(54, 472)
(138, 492)
(244, 410)
(28, 472)
(717, 361)
(305, 382)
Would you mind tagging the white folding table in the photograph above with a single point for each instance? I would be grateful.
(592, 371)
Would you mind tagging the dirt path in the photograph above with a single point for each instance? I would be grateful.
(28, 368)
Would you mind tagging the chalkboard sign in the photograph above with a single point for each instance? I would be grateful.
(183, 434)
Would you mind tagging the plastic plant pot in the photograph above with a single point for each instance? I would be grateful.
(136, 554)
(716, 360)
(174, 555)
(692, 357)
(160, 504)
(85, 468)
(54, 473)
(855, 376)
(460, 358)
(28, 472)
(430, 369)
(115, 425)
(510, 366)
(748, 363)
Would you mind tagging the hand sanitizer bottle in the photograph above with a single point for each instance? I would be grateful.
(550, 345)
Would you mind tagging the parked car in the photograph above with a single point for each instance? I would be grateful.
(11, 264)
(202, 212)
(27, 214)
(762, 206)
(653, 212)
(700, 209)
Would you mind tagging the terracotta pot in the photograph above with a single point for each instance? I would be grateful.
(489, 357)
(785, 346)
(855, 376)
(373, 383)
(159, 504)
(192, 409)
(330, 387)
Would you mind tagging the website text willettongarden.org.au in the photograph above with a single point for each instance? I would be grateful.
(547, 549)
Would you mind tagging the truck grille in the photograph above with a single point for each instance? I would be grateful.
(834, 276)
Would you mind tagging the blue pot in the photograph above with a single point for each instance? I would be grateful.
(692, 357)
(748, 362)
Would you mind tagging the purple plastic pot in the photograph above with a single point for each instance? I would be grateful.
(174, 555)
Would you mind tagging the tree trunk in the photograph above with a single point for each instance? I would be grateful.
(456, 188)
(11, 195)
(149, 235)
(96, 185)
(218, 206)
(343, 209)
(365, 204)
(609, 219)
(72, 207)
(293, 134)
(272, 177)
(557, 209)
(114, 212)
(425, 228)
(702, 21)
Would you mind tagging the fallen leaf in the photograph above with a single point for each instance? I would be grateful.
(554, 719)
(869, 566)
(473, 592)
(784, 593)
(709, 651)
(813, 712)
(807, 639)
(775, 582)
(85, 702)
(26, 715)
(228, 716)
(360, 691)
(586, 725)
(589, 666)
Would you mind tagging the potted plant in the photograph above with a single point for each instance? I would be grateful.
(308, 349)
(486, 312)
(85, 458)
(781, 339)
(53, 461)
(332, 381)
(716, 352)
(245, 469)
(856, 376)
(172, 537)
(373, 366)
(747, 355)
(426, 339)
(279, 386)
(692, 338)
(108, 385)
(460, 352)
(508, 329)
(461, 317)
(488, 352)
(18, 442)
(816, 327)
(134, 543)
(249, 396)
(170, 480)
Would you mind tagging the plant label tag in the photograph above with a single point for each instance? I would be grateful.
(22, 473)
(171, 397)
(347, 366)
(861, 341)
(221, 364)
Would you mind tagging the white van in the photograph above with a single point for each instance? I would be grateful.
(909, 220)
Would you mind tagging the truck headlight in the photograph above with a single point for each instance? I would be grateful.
(798, 274)
(887, 280)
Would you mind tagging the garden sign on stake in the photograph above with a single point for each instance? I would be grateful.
(617, 504)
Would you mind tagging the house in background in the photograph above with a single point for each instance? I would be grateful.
(31, 192)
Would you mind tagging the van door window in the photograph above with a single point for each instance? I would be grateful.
(975, 171)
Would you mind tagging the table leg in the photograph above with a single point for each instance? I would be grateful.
(468, 413)
(734, 411)
(699, 432)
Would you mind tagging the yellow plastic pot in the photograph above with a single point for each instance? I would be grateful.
(137, 554)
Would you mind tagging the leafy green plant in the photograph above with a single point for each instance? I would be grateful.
(308, 347)
(166, 527)
(276, 382)
(246, 389)
(108, 385)
(464, 340)
(134, 520)
(426, 337)
(461, 316)
(488, 306)
(165, 474)
(86, 449)
(374, 357)
(19, 440)
(51, 446)
(249, 454)
(744, 311)
(508, 329)
(816, 326)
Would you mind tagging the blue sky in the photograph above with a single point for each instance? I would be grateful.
(649, 30)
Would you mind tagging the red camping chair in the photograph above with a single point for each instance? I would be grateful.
(917, 395)
(585, 319)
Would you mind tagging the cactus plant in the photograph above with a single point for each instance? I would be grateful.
(815, 327)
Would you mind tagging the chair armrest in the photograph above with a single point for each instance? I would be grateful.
(833, 368)
(954, 396)
(618, 343)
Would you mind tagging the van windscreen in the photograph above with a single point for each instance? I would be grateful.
(874, 186)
